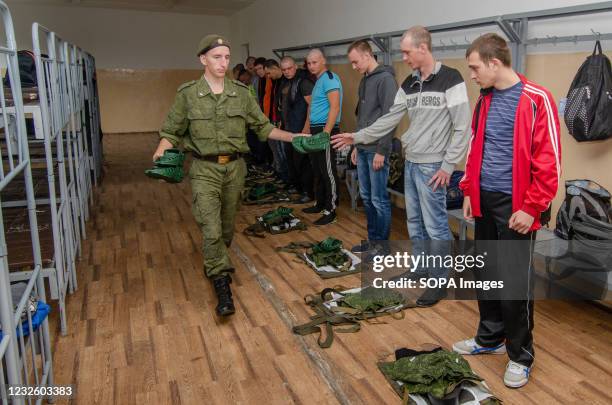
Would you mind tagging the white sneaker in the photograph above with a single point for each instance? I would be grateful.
(516, 375)
(469, 346)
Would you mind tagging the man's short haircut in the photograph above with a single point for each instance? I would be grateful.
(418, 35)
(491, 46)
(362, 46)
(260, 61)
(315, 51)
(250, 58)
(271, 63)
(244, 72)
(287, 59)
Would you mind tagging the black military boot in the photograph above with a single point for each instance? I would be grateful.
(225, 307)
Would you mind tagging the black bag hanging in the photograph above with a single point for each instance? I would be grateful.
(27, 70)
(588, 112)
(582, 197)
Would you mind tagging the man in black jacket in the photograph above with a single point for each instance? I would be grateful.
(295, 102)
(376, 92)
(274, 74)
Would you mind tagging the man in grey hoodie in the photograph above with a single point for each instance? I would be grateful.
(435, 98)
(376, 92)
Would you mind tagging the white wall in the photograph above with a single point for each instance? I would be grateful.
(122, 38)
(154, 40)
(269, 24)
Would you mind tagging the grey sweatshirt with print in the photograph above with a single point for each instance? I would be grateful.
(439, 114)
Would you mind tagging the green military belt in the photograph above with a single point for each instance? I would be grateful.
(220, 159)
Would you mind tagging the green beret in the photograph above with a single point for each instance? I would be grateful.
(211, 41)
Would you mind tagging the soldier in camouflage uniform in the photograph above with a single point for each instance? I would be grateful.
(210, 117)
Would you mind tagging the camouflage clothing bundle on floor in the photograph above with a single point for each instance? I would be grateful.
(280, 220)
(327, 258)
(335, 307)
(259, 175)
(262, 187)
(437, 377)
(169, 167)
(266, 193)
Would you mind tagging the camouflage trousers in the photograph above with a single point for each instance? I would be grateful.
(217, 193)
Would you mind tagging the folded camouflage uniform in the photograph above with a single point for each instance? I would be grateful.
(280, 220)
(327, 258)
(329, 252)
(266, 193)
(436, 376)
(314, 143)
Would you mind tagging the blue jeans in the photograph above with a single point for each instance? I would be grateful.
(373, 191)
(426, 211)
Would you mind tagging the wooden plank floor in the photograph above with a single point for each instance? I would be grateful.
(142, 328)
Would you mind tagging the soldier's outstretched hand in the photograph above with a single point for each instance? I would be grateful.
(340, 141)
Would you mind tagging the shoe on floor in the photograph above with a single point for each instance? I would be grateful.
(516, 375)
(431, 297)
(312, 210)
(225, 306)
(364, 246)
(327, 218)
(304, 199)
(469, 346)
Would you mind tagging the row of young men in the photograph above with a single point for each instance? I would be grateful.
(304, 101)
(512, 168)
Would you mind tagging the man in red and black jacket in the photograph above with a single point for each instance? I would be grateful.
(511, 176)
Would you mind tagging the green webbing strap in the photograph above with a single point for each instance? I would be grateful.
(257, 230)
(294, 247)
(269, 199)
(333, 317)
(329, 321)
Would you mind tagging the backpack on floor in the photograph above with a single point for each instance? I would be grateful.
(588, 112)
(584, 197)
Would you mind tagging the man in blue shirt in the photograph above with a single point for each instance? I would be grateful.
(325, 114)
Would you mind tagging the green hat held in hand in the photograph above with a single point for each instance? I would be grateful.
(169, 167)
(308, 144)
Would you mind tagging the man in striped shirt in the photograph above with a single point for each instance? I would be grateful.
(511, 176)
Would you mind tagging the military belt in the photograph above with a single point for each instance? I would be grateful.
(220, 159)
